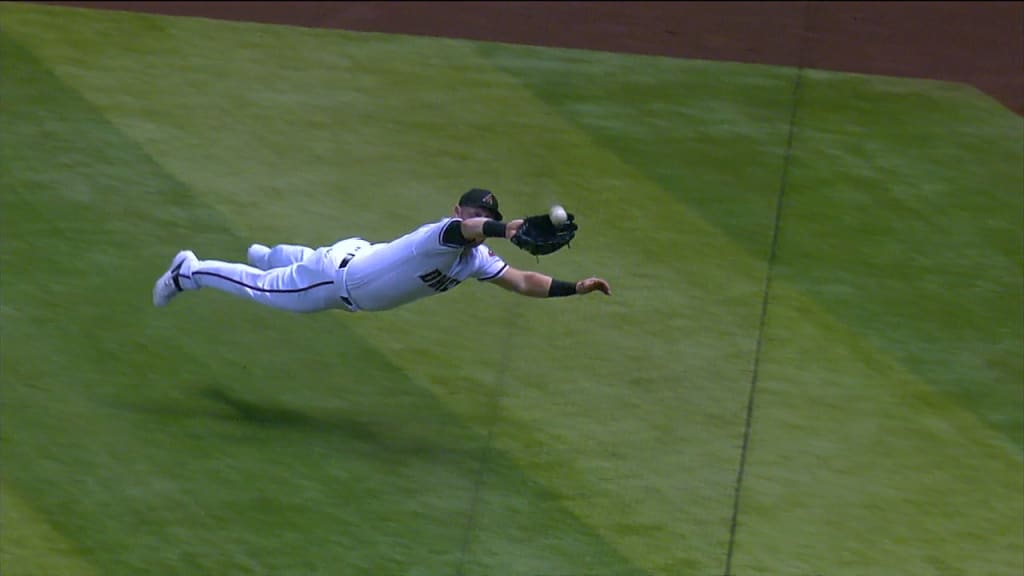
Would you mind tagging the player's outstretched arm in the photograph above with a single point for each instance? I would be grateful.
(537, 285)
(478, 228)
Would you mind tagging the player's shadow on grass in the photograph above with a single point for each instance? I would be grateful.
(387, 437)
(281, 417)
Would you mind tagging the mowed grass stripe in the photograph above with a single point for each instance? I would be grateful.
(34, 547)
(908, 225)
(592, 490)
(401, 344)
(99, 428)
(242, 395)
(986, 282)
(600, 496)
(856, 464)
(918, 177)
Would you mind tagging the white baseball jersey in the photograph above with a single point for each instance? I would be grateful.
(414, 266)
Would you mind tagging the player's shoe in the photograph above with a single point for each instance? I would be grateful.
(257, 256)
(168, 285)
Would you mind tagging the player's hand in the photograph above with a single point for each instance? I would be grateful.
(511, 227)
(590, 284)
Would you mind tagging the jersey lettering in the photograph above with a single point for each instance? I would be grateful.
(417, 265)
(439, 281)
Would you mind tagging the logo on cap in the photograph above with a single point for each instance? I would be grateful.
(482, 198)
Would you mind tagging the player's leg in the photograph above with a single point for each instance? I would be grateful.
(265, 257)
(305, 286)
(257, 255)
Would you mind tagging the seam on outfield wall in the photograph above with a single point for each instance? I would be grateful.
(748, 421)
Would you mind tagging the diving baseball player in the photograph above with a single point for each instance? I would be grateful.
(357, 275)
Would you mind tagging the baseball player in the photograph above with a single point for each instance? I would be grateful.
(356, 275)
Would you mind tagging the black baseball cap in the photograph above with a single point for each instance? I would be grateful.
(480, 198)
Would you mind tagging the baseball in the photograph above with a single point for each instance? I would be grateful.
(558, 215)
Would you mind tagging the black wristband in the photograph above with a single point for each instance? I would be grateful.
(559, 288)
(494, 229)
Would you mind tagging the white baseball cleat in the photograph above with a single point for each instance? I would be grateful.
(257, 256)
(168, 285)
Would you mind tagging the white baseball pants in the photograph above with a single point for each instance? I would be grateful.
(287, 277)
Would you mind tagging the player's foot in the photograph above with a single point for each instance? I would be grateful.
(168, 285)
(257, 256)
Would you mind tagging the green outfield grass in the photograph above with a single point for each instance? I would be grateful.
(481, 433)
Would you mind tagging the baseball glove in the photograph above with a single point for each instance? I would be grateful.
(539, 236)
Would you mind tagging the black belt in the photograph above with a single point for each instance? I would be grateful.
(344, 262)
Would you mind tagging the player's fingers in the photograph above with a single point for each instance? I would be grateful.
(512, 227)
(597, 284)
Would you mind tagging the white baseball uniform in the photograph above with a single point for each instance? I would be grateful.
(352, 274)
